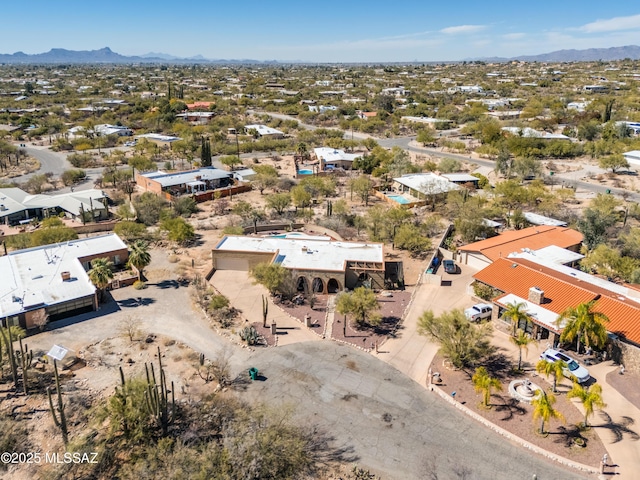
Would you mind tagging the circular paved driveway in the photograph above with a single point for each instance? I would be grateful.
(393, 425)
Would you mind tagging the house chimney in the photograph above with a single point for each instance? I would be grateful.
(66, 276)
(536, 295)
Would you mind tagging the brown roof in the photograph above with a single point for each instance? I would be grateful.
(561, 291)
(516, 240)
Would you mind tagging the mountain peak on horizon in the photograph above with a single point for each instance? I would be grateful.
(106, 55)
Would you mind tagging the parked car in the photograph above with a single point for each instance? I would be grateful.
(478, 312)
(574, 369)
(450, 266)
(130, 144)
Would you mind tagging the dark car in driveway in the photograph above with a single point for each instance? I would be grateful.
(449, 266)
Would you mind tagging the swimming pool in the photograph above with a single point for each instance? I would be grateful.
(305, 171)
(399, 198)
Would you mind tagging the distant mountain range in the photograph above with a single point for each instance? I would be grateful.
(106, 55)
(588, 55)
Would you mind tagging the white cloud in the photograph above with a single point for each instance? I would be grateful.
(462, 29)
(612, 24)
(513, 36)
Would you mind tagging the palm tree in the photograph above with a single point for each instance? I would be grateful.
(101, 274)
(139, 256)
(521, 340)
(483, 382)
(515, 313)
(543, 409)
(301, 149)
(590, 397)
(582, 322)
(552, 368)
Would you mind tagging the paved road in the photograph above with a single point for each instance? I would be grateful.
(386, 421)
(383, 419)
(409, 143)
(50, 162)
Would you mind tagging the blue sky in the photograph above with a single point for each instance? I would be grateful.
(322, 31)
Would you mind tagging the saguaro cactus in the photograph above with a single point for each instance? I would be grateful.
(8, 341)
(265, 311)
(26, 359)
(157, 397)
(59, 418)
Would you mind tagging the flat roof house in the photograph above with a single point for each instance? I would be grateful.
(319, 264)
(52, 280)
(264, 131)
(187, 182)
(633, 158)
(18, 206)
(331, 158)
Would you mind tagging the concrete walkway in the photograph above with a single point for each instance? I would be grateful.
(410, 352)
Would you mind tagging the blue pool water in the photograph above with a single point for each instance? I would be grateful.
(305, 171)
(399, 198)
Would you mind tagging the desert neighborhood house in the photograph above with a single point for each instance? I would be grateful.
(51, 281)
(319, 264)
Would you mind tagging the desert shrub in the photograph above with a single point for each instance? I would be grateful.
(69, 177)
(81, 160)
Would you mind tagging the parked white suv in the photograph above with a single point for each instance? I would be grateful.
(573, 367)
(478, 312)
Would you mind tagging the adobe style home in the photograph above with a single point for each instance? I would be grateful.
(318, 264)
(52, 281)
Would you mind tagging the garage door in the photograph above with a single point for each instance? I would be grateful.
(477, 261)
(232, 263)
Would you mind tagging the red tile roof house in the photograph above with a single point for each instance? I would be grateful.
(482, 253)
(547, 290)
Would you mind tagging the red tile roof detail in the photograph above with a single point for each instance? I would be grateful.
(561, 291)
(196, 105)
(511, 277)
(516, 240)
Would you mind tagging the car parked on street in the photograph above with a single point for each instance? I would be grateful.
(573, 369)
(478, 312)
(449, 266)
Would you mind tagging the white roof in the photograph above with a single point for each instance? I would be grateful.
(620, 290)
(32, 277)
(531, 133)
(16, 200)
(306, 253)
(263, 130)
(539, 313)
(427, 183)
(459, 177)
(158, 137)
(552, 253)
(424, 119)
(181, 178)
(537, 219)
(330, 155)
(633, 157)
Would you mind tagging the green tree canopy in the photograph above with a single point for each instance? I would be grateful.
(461, 342)
(583, 324)
(361, 303)
(272, 276)
(139, 256)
